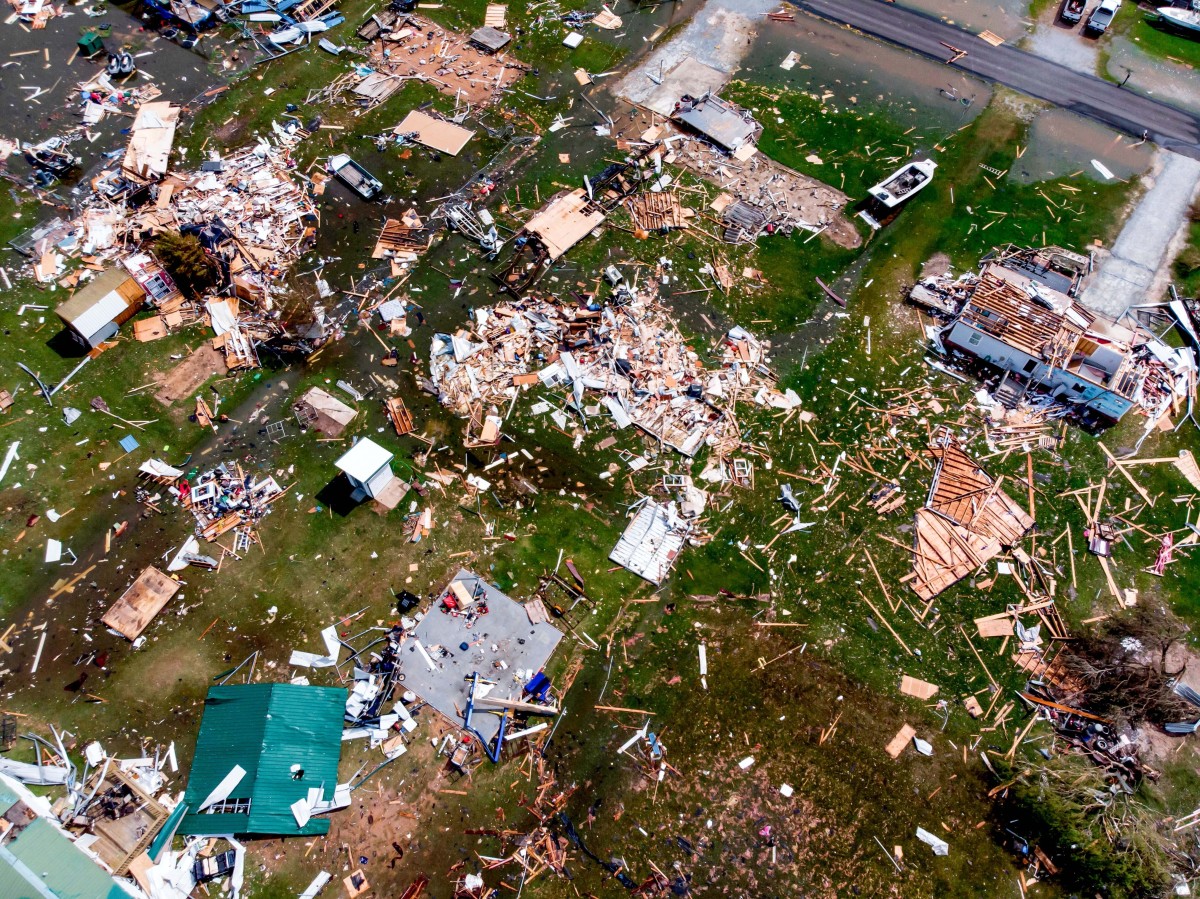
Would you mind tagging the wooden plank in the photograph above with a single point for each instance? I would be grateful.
(1141, 491)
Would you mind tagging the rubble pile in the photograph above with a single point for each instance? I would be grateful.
(249, 210)
(408, 47)
(631, 354)
(223, 499)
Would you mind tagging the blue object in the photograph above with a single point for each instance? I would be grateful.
(539, 686)
(128, 443)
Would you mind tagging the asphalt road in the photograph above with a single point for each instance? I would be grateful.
(1087, 95)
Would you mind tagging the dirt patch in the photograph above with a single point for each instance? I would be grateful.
(936, 265)
(447, 60)
(186, 377)
(702, 57)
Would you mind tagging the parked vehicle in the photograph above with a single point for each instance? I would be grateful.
(1186, 21)
(1072, 11)
(1102, 16)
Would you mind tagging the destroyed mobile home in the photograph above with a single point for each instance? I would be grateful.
(1020, 316)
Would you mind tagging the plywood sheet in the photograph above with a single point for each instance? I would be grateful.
(911, 686)
(138, 605)
(445, 137)
(148, 329)
(995, 625)
(894, 748)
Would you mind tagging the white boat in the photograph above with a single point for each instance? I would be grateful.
(1187, 20)
(354, 176)
(902, 184)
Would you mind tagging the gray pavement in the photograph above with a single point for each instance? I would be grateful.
(1120, 108)
(502, 637)
(701, 58)
(1140, 253)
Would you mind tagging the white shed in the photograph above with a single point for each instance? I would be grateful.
(368, 466)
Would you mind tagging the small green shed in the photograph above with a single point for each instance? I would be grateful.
(262, 749)
(90, 44)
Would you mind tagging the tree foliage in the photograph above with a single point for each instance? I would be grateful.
(1106, 843)
(184, 258)
(1124, 665)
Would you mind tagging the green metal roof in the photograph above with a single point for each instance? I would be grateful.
(42, 863)
(266, 729)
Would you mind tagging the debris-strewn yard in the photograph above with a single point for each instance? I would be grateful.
(450, 478)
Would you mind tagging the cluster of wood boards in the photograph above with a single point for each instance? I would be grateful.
(412, 47)
(631, 356)
(252, 211)
(965, 523)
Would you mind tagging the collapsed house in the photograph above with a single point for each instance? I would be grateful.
(728, 126)
(520, 641)
(631, 356)
(967, 520)
(411, 48)
(564, 221)
(266, 761)
(249, 211)
(568, 217)
(39, 859)
(1020, 316)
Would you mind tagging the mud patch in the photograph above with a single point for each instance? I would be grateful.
(187, 377)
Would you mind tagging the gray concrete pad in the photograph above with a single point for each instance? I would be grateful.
(702, 57)
(503, 635)
(1142, 251)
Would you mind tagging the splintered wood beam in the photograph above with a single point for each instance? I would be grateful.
(962, 630)
(1029, 482)
(1141, 491)
(886, 623)
(882, 586)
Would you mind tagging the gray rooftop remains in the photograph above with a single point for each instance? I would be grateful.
(504, 634)
(723, 123)
(490, 38)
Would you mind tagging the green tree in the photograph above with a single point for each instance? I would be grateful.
(184, 258)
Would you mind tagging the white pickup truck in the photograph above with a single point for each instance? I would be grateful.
(1102, 16)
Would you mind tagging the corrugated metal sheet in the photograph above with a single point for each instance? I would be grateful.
(266, 728)
(42, 858)
(718, 121)
(651, 542)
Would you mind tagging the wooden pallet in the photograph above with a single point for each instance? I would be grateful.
(399, 415)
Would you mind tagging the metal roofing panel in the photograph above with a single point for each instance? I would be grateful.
(651, 542)
(51, 859)
(266, 728)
